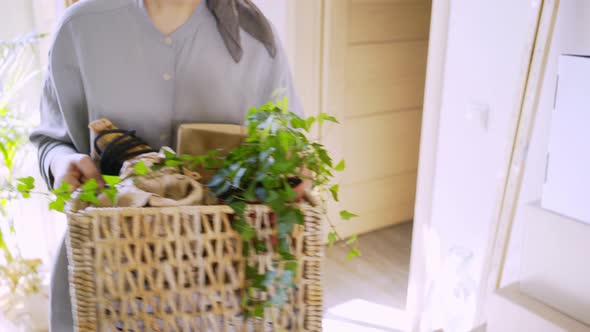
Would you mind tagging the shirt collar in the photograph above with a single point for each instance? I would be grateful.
(186, 30)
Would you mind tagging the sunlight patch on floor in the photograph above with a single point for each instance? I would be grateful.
(333, 325)
(363, 316)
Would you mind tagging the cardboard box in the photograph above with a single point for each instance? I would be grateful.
(198, 139)
(567, 185)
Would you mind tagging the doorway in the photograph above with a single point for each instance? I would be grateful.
(375, 70)
(364, 61)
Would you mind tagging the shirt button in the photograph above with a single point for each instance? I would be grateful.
(167, 77)
(168, 41)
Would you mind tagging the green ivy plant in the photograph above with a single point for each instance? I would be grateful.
(17, 70)
(276, 155)
(276, 151)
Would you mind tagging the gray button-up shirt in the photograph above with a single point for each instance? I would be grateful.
(108, 60)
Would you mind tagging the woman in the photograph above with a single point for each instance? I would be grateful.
(149, 65)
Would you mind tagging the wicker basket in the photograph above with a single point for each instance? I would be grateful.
(181, 269)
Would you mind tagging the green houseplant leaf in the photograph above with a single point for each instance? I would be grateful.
(347, 215)
(332, 238)
(140, 168)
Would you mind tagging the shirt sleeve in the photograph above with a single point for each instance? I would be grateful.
(62, 106)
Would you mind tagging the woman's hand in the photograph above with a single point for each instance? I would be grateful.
(74, 169)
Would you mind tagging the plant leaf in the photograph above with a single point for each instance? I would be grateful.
(272, 196)
(22, 188)
(261, 193)
(323, 154)
(258, 311)
(353, 253)
(334, 190)
(260, 247)
(326, 117)
(246, 231)
(215, 181)
(332, 238)
(111, 194)
(289, 193)
(282, 167)
(285, 228)
(140, 168)
(173, 163)
(309, 122)
(287, 279)
(169, 155)
(90, 197)
(112, 181)
(352, 240)
(299, 123)
(90, 185)
(58, 205)
(239, 207)
(64, 191)
(25, 186)
(29, 182)
(285, 140)
(237, 181)
(291, 266)
(157, 167)
(346, 215)
(219, 191)
(291, 215)
(341, 166)
(283, 104)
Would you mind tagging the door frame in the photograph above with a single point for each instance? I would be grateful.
(419, 278)
(521, 132)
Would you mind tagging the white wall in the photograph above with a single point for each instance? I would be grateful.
(16, 18)
(276, 12)
(485, 55)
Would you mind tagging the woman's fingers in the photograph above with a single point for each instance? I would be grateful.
(88, 170)
(70, 178)
(75, 170)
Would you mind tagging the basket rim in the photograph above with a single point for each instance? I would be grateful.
(310, 198)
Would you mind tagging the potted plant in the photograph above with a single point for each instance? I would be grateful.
(23, 297)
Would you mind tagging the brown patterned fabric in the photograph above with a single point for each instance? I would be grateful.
(231, 15)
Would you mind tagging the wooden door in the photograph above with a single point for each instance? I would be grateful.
(374, 72)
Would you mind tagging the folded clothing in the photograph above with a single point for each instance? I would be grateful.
(167, 186)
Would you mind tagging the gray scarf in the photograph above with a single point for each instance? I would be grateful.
(231, 15)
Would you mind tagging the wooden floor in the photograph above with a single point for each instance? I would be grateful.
(355, 291)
